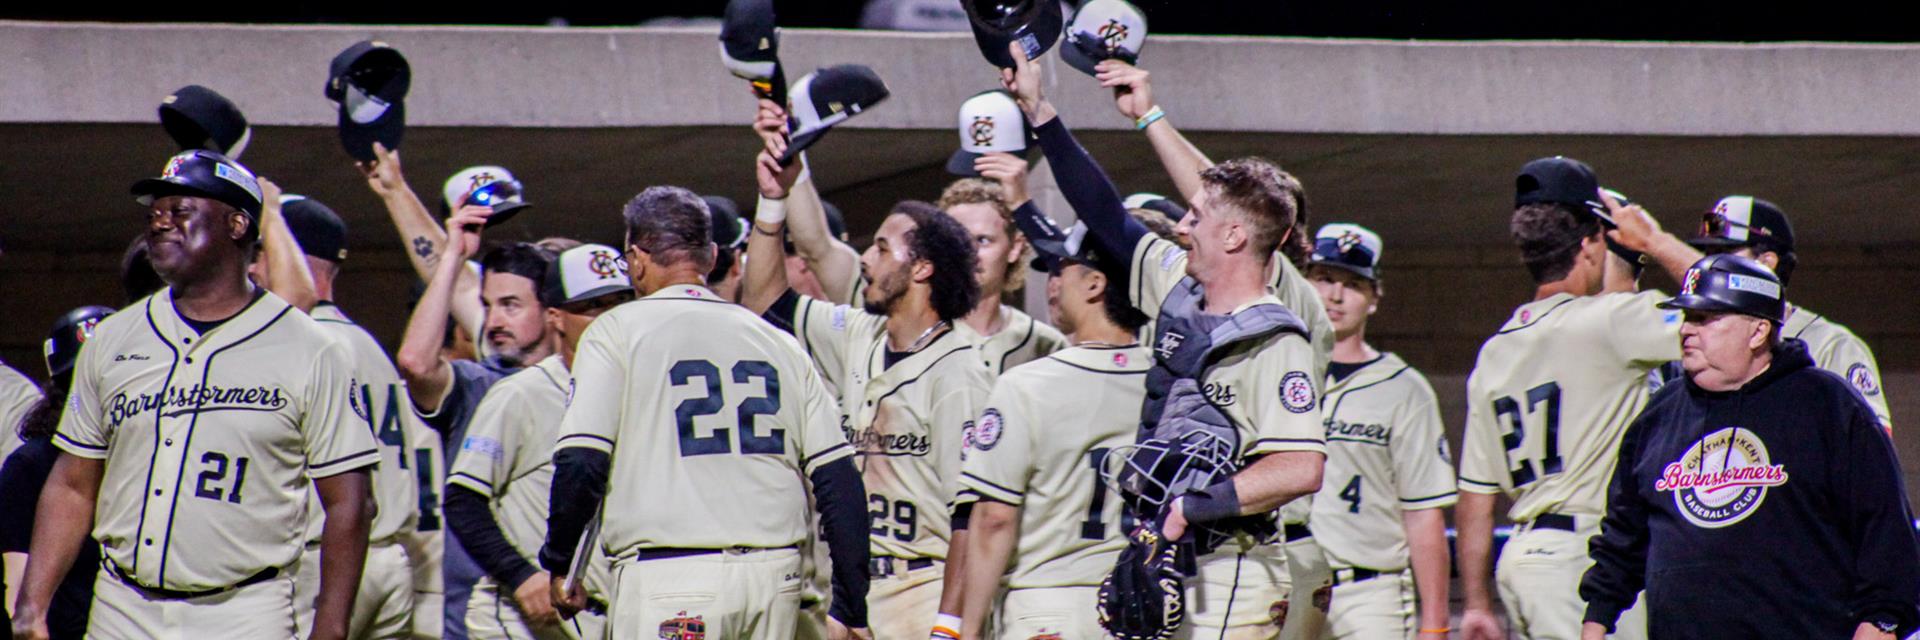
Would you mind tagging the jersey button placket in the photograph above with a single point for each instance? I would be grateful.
(169, 468)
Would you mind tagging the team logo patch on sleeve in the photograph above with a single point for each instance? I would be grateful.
(1862, 379)
(1296, 392)
(986, 432)
(354, 393)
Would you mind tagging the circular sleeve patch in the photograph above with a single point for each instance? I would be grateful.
(1296, 392)
(1862, 379)
(986, 432)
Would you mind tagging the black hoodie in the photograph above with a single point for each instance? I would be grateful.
(1807, 536)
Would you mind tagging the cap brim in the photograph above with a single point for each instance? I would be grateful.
(595, 293)
(503, 213)
(800, 142)
(1697, 303)
(1714, 242)
(961, 164)
(358, 138)
(1074, 56)
(1364, 272)
(149, 189)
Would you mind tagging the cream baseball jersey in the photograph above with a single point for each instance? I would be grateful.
(211, 441)
(1271, 392)
(1835, 348)
(508, 456)
(907, 422)
(1553, 391)
(1386, 453)
(18, 395)
(1041, 444)
(1298, 295)
(712, 418)
(380, 400)
(1022, 340)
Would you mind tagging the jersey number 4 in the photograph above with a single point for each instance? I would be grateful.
(1524, 469)
(684, 372)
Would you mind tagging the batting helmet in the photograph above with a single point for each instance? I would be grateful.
(72, 330)
(206, 174)
(1731, 284)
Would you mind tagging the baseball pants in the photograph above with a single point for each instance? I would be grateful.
(746, 594)
(492, 614)
(1383, 607)
(1059, 612)
(429, 603)
(1311, 582)
(1539, 575)
(383, 608)
(902, 601)
(306, 589)
(1236, 594)
(120, 612)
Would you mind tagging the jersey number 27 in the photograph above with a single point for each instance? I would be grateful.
(1543, 401)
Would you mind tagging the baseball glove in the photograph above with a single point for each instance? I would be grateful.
(1144, 597)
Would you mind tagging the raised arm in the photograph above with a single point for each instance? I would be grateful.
(832, 260)
(424, 237)
(1637, 230)
(421, 364)
(1133, 96)
(288, 275)
(764, 278)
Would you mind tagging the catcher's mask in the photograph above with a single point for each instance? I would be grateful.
(1154, 472)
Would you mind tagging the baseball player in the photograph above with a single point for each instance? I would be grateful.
(730, 236)
(1380, 516)
(826, 261)
(426, 543)
(1006, 337)
(1548, 399)
(224, 405)
(425, 238)
(314, 235)
(909, 385)
(501, 479)
(18, 395)
(699, 448)
(1044, 518)
(1265, 389)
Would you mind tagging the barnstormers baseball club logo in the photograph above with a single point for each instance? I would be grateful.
(1691, 283)
(1112, 34)
(603, 263)
(1296, 393)
(1347, 241)
(986, 433)
(1862, 379)
(981, 131)
(682, 627)
(1722, 478)
(173, 166)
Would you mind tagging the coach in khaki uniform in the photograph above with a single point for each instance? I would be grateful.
(1549, 397)
(1044, 518)
(502, 477)
(707, 442)
(1378, 518)
(910, 386)
(223, 405)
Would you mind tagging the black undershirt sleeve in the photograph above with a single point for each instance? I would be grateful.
(841, 496)
(471, 520)
(781, 314)
(579, 484)
(1091, 193)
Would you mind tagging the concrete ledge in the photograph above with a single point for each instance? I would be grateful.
(636, 77)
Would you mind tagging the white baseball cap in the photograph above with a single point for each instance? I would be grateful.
(471, 178)
(1103, 30)
(1348, 246)
(584, 273)
(990, 122)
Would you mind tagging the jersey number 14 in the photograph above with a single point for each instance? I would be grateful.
(1542, 401)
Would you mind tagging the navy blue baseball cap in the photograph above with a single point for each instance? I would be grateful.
(206, 174)
(1350, 247)
(320, 232)
(1561, 180)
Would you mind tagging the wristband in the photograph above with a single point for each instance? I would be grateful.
(1217, 502)
(946, 625)
(1439, 630)
(1153, 115)
(770, 211)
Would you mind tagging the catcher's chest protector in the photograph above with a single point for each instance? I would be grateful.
(1186, 342)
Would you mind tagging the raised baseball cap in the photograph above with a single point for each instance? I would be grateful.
(1737, 221)
(1635, 258)
(368, 83)
(74, 328)
(320, 232)
(750, 47)
(728, 230)
(1104, 30)
(464, 181)
(1061, 246)
(1348, 246)
(1154, 201)
(1731, 284)
(206, 174)
(200, 118)
(990, 122)
(828, 97)
(503, 196)
(1561, 180)
(584, 273)
(1035, 24)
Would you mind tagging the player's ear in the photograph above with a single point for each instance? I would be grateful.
(1236, 236)
(922, 269)
(1019, 251)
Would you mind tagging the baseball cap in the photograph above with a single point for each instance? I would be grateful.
(1035, 24)
(320, 232)
(1561, 180)
(1059, 246)
(828, 97)
(503, 196)
(1737, 221)
(1104, 30)
(1347, 246)
(200, 118)
(728, 230)
(584, 273)
(368, 82)
(750, 46)
(203, 173)
(990, 122)
(1732, 284)
(1156, 202)
(74, 328)
(457, 186)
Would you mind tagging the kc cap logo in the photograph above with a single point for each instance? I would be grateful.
(1104, 30)
(990, 122)
(1722, 478)
(981, 130)
(605, 264)
(1296, 393)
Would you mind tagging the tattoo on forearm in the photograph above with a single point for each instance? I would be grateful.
(423, 247)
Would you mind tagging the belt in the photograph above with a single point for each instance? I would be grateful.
(1355, 574)
(156, 593)
(666, 553)
(879, 567)
(1556, 521)
(1296, 531)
